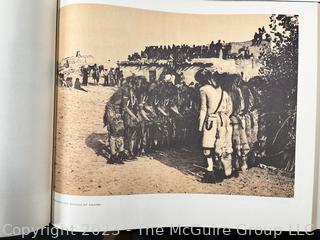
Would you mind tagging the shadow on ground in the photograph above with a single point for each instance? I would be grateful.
(186, 159)
(96, 141)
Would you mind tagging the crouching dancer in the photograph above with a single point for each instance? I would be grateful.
(115, 129)
(113, 120)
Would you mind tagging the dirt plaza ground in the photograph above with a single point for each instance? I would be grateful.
(81, 168)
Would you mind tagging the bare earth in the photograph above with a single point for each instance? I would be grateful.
(81, 168)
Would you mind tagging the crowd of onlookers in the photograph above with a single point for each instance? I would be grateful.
(98, 73)
(109, 77)
(173, 57)
(185, 53)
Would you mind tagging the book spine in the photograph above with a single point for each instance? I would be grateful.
(316, 205)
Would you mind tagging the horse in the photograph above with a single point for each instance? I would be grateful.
(95, 73)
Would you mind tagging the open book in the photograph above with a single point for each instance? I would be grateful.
(137, 114)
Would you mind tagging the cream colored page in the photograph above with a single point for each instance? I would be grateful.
(27, 46)
(86, 185)
(317, 171)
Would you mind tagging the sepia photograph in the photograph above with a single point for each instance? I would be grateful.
(152, 102)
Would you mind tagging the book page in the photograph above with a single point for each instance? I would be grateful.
(317, 173)
(176, 114)
(27, 63)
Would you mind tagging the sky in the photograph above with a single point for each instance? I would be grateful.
(112, 32)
